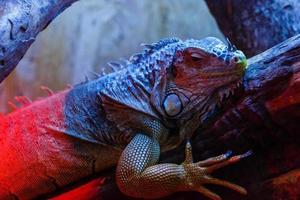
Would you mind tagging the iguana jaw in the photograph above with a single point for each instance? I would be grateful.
(230, 90)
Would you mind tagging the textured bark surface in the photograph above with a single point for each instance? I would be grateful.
(263, 117)
(256, 25)
(20, 22)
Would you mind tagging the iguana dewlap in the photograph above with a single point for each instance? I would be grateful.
(124, 119)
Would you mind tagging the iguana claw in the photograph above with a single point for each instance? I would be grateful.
(197, 174)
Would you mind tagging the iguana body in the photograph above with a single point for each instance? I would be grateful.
(124, 119)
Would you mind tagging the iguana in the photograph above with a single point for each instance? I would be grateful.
(125, 119)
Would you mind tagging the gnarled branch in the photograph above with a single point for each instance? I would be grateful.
(256, 25)
(20, 23)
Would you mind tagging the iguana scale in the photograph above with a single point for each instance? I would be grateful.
(125, 119)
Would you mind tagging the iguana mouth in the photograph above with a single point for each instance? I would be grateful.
(228, 92)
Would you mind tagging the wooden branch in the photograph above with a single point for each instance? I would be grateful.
(20, 23)
(269, 109)
(256, 25)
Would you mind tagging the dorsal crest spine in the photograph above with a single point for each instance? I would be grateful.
(135, 59)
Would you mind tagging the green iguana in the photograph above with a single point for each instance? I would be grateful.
(125, 119)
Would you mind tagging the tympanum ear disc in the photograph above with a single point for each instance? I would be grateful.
(172, 105)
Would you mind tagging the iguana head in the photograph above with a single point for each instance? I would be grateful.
(202, 73)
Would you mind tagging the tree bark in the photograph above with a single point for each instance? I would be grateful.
(20, 22)
(263, 117)
(256, 25)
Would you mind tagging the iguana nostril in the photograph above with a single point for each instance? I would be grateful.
(236, 59)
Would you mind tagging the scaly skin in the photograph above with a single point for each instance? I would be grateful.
(172, 84)
(37, 158)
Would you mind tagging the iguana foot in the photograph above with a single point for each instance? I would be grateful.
(197, 174)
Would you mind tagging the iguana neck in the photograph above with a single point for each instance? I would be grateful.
(93, 109)
(85, 117)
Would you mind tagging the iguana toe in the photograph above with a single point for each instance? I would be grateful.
(198, 174)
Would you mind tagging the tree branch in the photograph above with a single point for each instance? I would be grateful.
(20, 23)
(256, 25)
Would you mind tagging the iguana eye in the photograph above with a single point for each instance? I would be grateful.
(196, 57)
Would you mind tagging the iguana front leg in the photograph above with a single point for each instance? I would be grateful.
(139, 176)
